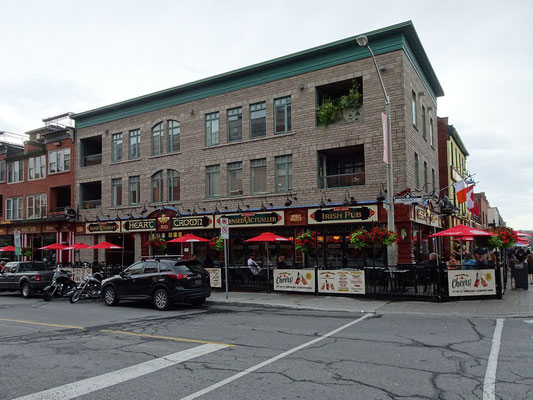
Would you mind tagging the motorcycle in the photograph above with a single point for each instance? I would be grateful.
(61, 286)
(89, 288)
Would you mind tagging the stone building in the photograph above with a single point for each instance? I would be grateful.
(286, 145)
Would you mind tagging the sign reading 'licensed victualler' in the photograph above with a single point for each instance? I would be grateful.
(267, 218)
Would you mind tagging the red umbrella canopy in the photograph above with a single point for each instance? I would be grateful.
(77, 246)
(7, 248)
(105, 245)
(267, 237)
(189, 238)
(465, 238)
(463, 230)
(53, 246)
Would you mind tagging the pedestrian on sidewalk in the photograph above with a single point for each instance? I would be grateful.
(529, 260)
(254, 267)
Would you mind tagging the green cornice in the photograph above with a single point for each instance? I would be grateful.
(457, 139)
(396, 37)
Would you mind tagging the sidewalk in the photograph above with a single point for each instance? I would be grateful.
(515, 303)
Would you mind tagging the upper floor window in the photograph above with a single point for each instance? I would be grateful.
(135, 144)
(431, 138)
(2, 171)
(116, 192)
(134, 190)
(413, 106)
(173, 185)
(283, 173)
(116, 147)
(282, 115)
(59, 161)
(157, 187)
(235, 179)
(426, 189)
(212, 127)
(14, 208)
(433, 179)
(424, 133)
(173, 136)
(258, 120)
(258, 176)
(36, 206)
(235, 124)
(157, 139)
(417, 176)
(37, 167)
(212, 181)
(15, 171)
(339, 167)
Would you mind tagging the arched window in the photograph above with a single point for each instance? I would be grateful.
(157, 187)
(157, 139)
(173, 136)
(173, 185)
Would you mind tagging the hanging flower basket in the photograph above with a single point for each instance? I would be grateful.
(506, 237)
(378, 236)
(359, 239)
(305, 241)
(158, 243)
(217, 242)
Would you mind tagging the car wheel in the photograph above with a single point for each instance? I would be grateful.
(110, 296)
(25, 290)
(198, 302)
(161, 300)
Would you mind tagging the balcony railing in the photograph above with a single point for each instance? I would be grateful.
(93, 159)
(92, 204)
(342, 180)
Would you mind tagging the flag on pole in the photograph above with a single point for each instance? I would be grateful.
(461, 188)
(470, 198)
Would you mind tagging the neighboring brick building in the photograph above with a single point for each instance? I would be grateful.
(249, 139)
(36, 189)
(483, 207)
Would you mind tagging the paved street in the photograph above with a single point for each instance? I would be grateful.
(90, 351)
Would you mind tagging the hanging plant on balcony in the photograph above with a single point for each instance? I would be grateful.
(506, 238)
(217, 242)
(305, 241)
(331, 110)
(158, 243)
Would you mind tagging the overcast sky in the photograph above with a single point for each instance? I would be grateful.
(59, 56)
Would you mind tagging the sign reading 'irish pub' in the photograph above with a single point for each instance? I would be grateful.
(266, 218)
(342, 215)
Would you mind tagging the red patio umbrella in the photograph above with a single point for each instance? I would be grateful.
(268, 237)
(77, 246)
(105, 245)
(7, 248)
(53, 246)
(189, 238)
(462, 231)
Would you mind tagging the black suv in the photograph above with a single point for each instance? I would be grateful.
(163, 281)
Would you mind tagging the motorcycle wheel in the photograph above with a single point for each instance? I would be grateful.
(48, 294)
(75, 296)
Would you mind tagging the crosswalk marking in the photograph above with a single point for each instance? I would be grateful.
(80, 388)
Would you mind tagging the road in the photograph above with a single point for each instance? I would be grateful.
(87, 350)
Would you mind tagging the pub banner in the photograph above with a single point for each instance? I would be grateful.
(294, 280)
(102, 227)
(252, 219)
(343, 215)
(341, 281)
(139, 225)
(480, 282)
(196, 222)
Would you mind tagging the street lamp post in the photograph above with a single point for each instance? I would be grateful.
(392, 251)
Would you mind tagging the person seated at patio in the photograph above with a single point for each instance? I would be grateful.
(254, 267)
(481, 259)
(432, 260)
(468, 262)
(281, 263)
(453, 263)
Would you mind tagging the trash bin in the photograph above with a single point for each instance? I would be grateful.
(519, 275)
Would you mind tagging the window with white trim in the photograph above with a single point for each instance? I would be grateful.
(116, 147)
(14, 208)
(37, 167)
(59, 161)
(15, 171)
(2, 171)
(36, 206)
(413, 107)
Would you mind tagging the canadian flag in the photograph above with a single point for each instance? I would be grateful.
(470, 198)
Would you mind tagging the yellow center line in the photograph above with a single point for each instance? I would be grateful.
(165, 337)
(42, 323)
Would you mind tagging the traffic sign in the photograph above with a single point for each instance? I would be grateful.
(224, 228)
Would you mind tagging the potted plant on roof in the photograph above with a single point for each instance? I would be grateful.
(344, 108)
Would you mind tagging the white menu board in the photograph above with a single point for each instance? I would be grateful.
(341, 281)
(215, 277)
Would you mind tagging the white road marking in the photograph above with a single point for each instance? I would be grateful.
(80, 388)
(270, 361)
(489, 386)
(528, 321)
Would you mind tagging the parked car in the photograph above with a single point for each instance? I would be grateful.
(163, 281)
(28, 277)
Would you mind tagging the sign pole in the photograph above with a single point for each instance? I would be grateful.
(224, 234)
(226, 264)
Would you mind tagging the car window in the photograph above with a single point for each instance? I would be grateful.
(37, 266)
(166, 265)
(135, 269)
(150, 267)
(25, 267)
